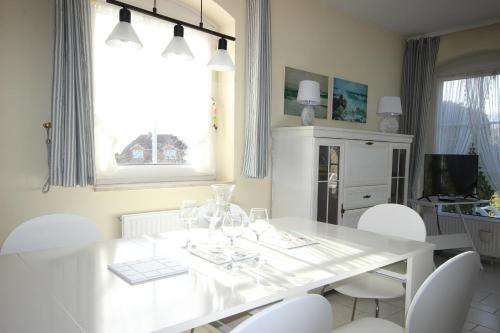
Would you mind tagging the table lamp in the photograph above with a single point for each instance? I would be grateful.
(309, 97)
(389, 107)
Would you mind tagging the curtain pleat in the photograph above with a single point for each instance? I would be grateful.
(258, 89)
(416, 90)
(72, 153)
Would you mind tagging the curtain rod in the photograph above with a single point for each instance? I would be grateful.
(170, 19)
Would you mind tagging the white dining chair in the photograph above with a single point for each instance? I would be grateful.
(440, 304)
(51, 231)
(389, 220)
(304, 314)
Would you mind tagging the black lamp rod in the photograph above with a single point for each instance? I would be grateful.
(170, 19)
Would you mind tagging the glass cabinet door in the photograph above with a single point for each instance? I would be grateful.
(328, 184)
(398, 176)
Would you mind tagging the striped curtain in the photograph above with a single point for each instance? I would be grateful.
(416, 90)
(72, 151)
(258, 89)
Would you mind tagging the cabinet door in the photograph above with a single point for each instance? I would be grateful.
(351, 217)
(400, 155)
(329, 157)
(367, 163)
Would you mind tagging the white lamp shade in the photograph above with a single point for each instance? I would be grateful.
(389, 105)
(178, 49)
(221, 61)
(308, 93)
(124, 36)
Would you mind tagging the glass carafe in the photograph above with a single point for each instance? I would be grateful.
(222, 196)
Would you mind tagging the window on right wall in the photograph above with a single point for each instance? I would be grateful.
(468, 122)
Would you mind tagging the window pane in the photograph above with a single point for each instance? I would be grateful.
(148, 109)
(395, 162)
(401, 190)
(402, 163)
(394, 189)
(323, 163)
(333, 203)
(322, 201)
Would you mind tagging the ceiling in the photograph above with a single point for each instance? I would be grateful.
(420, 17)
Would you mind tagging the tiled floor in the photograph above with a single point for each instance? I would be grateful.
(483, 317)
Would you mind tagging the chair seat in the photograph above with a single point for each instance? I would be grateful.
(370, 285)
(370, 325)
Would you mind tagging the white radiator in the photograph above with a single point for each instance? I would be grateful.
(136, 225)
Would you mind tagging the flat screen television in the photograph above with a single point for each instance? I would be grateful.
(450, 175)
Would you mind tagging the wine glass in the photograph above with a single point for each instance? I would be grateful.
(259, 223)
(232, 228)
(189, 214)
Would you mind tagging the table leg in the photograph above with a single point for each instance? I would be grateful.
(419, 267)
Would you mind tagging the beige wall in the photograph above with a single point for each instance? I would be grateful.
(305, 35)
(470, 41)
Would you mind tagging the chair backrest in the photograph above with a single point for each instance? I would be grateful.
(442, 301)
(393, 220)
(51, 231)
(310, 313)
(235, 209)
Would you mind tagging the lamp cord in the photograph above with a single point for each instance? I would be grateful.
(48, 143)
(154, 7)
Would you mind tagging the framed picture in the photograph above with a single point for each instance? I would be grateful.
(292, 79)
(349, 101)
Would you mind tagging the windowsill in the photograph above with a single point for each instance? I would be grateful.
(160, 185)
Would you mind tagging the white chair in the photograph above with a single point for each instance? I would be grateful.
(51, 231)
(304, 314)
(440, 304)
(390, 220)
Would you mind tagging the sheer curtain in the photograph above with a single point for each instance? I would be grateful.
(469, 113)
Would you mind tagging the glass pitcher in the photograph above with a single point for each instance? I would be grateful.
(219, 207)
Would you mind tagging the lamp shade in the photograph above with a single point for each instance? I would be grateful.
(389, 105)
(221, 60)
(178, 48)
(308, 93)
(123, 35)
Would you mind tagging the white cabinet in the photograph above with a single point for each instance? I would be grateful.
(334, 175)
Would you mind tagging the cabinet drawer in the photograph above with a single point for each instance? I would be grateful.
(366, 196)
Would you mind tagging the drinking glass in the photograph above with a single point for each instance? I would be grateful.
(232, 228)
(259, 223)
(189, 214)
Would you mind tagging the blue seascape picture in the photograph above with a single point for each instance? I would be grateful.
(349, 101)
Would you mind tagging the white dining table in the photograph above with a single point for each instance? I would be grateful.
(72, 289)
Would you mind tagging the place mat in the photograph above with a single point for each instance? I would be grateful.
(286, 239)
(222, 257)
(148, 269)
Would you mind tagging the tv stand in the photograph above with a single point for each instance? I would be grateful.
(450, 241)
